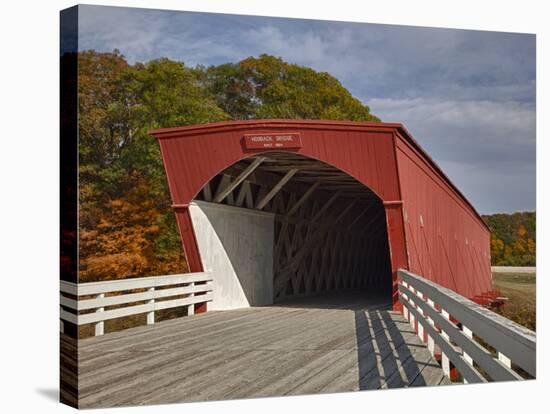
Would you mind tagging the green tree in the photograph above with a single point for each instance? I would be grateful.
(268, 87)
(98, 79)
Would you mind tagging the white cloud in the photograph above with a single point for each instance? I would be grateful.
(486, 148)
(512, 116)
(133, 32)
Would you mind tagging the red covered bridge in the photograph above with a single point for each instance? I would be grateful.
(301, 236)
(385, 203)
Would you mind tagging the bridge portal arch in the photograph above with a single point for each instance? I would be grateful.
(332, 190)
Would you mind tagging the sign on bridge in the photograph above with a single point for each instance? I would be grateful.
(284, 140)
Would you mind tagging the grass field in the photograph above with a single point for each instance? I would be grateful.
(520, 289)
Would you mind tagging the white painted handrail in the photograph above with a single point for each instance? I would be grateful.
(435, 308)
(197, 287)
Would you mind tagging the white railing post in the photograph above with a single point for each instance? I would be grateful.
(412, 318)
(405, 309)
(421, 312)
(151, 315)
(431, 343)
(99, 326)
(191, 308)
(505, 360)
(445, 363)
(467, 357)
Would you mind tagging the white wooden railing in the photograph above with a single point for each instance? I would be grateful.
(449, 322)
(197, 288)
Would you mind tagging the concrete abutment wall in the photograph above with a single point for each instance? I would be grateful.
(236, 244)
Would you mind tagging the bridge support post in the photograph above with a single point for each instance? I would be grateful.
(397, 243)
(190, 246)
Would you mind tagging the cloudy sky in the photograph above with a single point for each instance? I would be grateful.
(468, 97)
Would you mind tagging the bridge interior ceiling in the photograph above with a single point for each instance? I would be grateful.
(330, 230)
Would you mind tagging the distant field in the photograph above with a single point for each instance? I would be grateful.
(520, 289)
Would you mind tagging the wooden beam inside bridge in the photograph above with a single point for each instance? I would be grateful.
(224, 192)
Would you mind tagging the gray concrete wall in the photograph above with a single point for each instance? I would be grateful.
(236, 244)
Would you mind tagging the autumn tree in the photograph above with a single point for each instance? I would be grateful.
(126, 224)
(513, 238)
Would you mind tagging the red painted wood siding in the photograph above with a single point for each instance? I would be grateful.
(446, 240)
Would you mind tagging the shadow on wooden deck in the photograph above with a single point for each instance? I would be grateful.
(332, 343)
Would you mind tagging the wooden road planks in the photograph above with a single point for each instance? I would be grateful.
(339, 342)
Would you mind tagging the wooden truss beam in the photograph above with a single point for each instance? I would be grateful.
(224, 192)
(207, 193)
(326, 206)
(303, 199)
(263, 201)
(366, 210)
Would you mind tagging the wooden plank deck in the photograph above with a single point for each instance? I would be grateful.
(339, 342)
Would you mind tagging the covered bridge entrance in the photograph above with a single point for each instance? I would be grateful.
(281, 208)
(281, 225)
